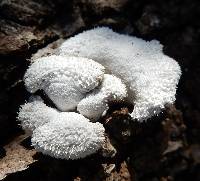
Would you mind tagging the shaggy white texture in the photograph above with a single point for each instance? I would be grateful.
(65, 80)
(34, 114)
(96, 102)
(150, 76)
(71, 136)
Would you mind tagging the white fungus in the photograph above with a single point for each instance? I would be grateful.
(137, 71)
(34, 114)
(70, 136)
(65, 80)
(150, 76)
(96, 103)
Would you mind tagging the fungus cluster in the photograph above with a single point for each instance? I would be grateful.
(88, 72)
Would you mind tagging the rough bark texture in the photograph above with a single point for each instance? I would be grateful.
(165, 148)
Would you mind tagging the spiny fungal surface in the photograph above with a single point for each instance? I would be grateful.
(69, 136)
(65, 80)
(35, 113)
(97, 102)
(150, 76)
